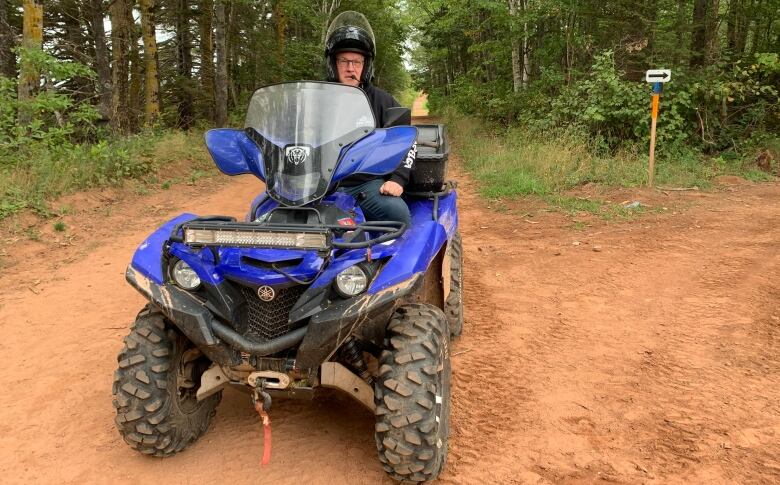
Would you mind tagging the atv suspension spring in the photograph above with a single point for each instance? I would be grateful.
(352, 354)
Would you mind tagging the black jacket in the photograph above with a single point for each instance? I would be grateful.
(381, 100)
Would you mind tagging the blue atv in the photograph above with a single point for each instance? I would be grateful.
(304, 293)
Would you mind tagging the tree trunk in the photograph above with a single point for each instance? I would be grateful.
(120, 48)
(281, 29)
(711, 33)
(102, 57)
(234, 39)
(698, 37)
(184, 64)
(32, 39)
(222, 68)
(136, 73)
(7, 44)
(517, 70)
(205, 21)
(704, 41)
(526, 48)
(151, 73)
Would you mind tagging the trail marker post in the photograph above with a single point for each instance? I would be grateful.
(657, 77)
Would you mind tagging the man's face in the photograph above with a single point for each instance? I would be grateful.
(350, 67)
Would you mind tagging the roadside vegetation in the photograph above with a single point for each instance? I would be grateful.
(543, 97)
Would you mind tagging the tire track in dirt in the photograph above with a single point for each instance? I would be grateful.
(484, 389)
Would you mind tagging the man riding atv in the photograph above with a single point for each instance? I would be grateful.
(350, 50)
(308, 291)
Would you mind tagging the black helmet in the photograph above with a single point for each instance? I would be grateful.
(350, 32)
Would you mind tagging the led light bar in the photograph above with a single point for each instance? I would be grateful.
(245, 236)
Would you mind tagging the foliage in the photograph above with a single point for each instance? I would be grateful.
(57, 117)
(39, 172)
(585, 64)
(523, 161)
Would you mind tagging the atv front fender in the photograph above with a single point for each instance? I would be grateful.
(328, 329)
(416, 249)
(187, 313)
(148, 258)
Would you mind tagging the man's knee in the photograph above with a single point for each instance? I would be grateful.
(395, 209)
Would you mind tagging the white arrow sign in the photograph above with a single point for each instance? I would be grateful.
(658, 75)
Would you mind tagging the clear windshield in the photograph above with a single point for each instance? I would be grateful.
(301, 128)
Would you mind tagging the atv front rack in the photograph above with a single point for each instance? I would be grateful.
(215, 231)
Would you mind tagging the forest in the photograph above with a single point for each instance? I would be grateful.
(89, 88)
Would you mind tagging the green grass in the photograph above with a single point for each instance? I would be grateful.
(517, 162)
(38, 174)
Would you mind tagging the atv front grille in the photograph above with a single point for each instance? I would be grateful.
(266, 320)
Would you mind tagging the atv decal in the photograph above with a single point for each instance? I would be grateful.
(297, 154)
(411, 156)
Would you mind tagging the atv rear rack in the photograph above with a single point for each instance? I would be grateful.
(217, 231)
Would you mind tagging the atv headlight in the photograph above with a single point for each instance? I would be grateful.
(351, 281)
(184, 276)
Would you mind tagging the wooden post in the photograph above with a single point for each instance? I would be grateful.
(654, 114)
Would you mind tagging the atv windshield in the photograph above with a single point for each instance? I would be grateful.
(301, 128)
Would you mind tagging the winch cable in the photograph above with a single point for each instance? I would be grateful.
(262, 402)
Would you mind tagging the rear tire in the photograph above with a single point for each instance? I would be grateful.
(412, 394)
(453, 307)
(154, 388)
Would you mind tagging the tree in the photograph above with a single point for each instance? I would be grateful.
(205, 22)
(32, 40)
(102, 61)
(221, 93)
(120, 49)
(151, 79)
(185, 103)
(326, 11)
(7, 44)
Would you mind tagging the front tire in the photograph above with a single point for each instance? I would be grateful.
(412, 394)
(154, 388)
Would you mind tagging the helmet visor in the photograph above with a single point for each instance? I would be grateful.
(354, 20)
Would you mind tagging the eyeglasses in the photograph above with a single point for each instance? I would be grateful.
(347, 62)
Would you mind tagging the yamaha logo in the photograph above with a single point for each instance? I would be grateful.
(266, 293)
(297, 154)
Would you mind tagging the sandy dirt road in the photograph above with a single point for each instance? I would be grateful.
(645, 351)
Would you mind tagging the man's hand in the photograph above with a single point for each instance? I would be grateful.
(391, 188)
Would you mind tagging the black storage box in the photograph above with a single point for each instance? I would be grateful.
(429, 172)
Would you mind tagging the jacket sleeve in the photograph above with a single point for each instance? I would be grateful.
(404, 170)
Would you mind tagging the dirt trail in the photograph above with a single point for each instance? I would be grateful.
(634, 352)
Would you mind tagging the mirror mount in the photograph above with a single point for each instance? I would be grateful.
(397, 116)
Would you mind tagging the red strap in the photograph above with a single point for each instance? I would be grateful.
(266, 433)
